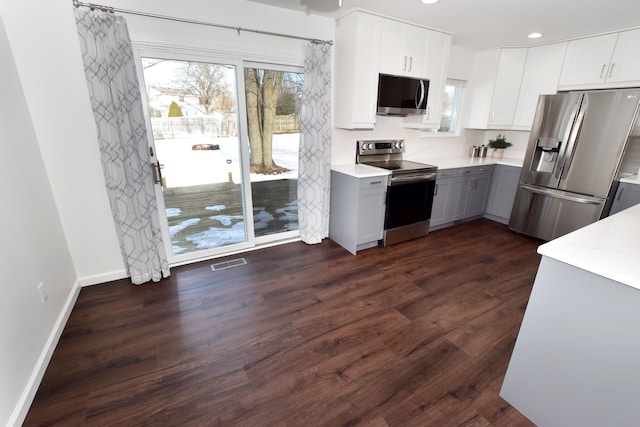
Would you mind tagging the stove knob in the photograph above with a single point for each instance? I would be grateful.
(370, 146)
(396, 145)
(402, 145)
(363, 146)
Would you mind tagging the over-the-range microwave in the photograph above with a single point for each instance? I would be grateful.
(402, 96)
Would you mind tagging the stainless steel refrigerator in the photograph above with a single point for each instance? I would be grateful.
(574, 157)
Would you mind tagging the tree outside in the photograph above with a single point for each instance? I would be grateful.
(269, 94)
(175, 110)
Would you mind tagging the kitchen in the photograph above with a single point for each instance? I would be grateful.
(500, 92)
(505, 84)
(60, 139)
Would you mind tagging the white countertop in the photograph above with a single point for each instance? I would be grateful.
(633, 179)
(365, 171)
(465, 161)
(609, 247)
(360, 171)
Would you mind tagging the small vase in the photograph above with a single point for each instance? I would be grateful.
(497, 153)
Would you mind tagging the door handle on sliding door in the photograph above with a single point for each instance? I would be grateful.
(156, 168)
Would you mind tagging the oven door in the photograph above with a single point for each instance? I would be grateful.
(409, 201)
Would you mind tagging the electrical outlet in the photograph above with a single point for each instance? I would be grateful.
(43, 292)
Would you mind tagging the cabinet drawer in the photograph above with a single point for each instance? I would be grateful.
(449, 173)
(471, 170)
(373, 182)
(482, 169)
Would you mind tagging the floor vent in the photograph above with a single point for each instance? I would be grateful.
(228, 264)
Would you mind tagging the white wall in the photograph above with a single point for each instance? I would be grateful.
(34, 249)
(460, 63)
(47, 54)
(228, 43)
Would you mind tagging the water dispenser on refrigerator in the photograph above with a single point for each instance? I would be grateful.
(546, 154)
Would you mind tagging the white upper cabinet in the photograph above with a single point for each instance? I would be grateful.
(437, 61)
(604, 61)
(506, 83)
(587, 60)
(403, 49)
(438, 51)
(541, 75)
(366, 45)
(625, 62)
(494, 87)
(357, 59)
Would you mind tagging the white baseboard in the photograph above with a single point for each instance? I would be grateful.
(103, 278)
(29, 392)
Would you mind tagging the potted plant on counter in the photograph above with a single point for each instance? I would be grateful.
(498, 145)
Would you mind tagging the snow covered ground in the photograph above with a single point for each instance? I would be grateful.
(184, 166)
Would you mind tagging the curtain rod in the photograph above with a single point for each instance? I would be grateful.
(110, 9)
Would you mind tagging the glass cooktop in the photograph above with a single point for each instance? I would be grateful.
(401, 166)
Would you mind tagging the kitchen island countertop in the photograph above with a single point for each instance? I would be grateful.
(609, 248)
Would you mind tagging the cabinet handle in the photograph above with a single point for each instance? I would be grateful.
(602, 74)
(375, 182)
(620, 194)
(404, 68)
(410, 63)
(493, 115)
(428, 113)
(435, 191)
(613, 64)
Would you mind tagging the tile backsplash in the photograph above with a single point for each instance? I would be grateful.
(421, 144)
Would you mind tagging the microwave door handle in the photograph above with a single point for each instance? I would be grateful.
(420, 94)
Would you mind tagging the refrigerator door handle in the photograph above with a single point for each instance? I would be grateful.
(564, 148)
(553, 193)
(573, 139)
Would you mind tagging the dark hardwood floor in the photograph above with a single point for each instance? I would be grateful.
(416, 334)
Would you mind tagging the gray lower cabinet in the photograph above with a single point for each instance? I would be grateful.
(357, 210)
(627, 195)
(502, 193)
(461, 194)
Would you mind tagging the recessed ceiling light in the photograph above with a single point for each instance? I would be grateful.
(534, 35)
(429, 1)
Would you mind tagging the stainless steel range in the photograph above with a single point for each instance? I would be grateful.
(410, 190)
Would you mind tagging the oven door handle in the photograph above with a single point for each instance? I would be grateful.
(401, 180)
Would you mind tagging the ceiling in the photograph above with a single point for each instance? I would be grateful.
(477, 24)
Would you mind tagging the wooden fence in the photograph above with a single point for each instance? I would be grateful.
(287, 124)
(212, 126)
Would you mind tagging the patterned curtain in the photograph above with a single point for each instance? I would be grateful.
(117, 107)
(314, 175)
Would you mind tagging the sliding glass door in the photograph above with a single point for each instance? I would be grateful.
(273, 100)
(224, 152)
(193, 110)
